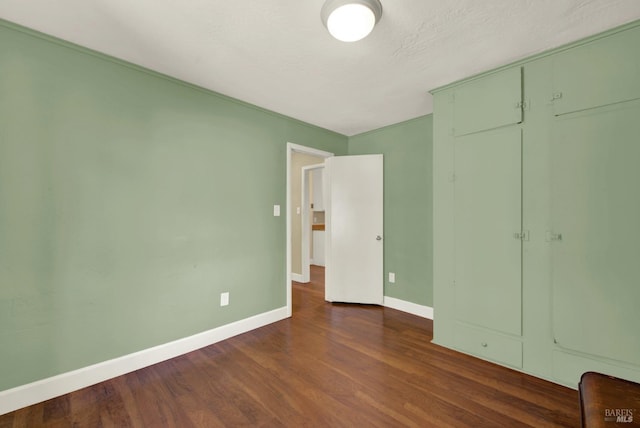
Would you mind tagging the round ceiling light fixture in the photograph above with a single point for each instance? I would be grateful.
(350, 20)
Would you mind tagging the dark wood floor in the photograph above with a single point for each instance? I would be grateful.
(330, 365)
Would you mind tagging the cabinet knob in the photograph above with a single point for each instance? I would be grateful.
(378, 238)
(484, 344)
(551, 236)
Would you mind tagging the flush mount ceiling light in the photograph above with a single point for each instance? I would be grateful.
(350, 20)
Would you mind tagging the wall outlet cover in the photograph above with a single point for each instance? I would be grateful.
(224, 298)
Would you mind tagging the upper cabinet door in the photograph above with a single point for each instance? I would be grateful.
(603, 72)
(488, 102)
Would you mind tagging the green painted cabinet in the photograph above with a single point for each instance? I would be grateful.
(487, 215)
(485, 183)
(536, 212)
(595, 214)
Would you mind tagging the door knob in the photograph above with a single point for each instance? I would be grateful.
(378, 238)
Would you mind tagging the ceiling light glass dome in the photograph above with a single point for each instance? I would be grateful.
(350, 20)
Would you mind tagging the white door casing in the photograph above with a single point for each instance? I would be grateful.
(354, 229)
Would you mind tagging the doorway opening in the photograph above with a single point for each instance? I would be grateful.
(297, 157)
(309, 294)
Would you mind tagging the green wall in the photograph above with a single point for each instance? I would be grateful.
(407, 149)
(128, 202)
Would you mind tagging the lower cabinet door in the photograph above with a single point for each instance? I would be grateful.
(489, 345)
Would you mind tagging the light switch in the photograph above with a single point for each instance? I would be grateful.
(392, 277)
(276, 210)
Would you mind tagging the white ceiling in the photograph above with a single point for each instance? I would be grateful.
(276, 53)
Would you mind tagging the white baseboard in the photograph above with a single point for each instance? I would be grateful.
(45, 389)
(412, 308)
(297, 277)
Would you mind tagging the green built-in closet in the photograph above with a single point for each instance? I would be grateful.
(537, 211)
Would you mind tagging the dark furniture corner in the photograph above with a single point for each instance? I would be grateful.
(607, 401)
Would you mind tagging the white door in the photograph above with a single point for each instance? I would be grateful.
(354, 245)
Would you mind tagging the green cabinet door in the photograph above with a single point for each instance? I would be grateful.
(489, 102)
(595, 241)
(487, 216)
(599, 73)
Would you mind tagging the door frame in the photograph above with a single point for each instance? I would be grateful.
(306, 221)
(291, 149)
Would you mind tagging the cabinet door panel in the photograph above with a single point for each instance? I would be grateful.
(488, 344)
(487, 213)
(489, 102)
(595, 204)
(597, 74)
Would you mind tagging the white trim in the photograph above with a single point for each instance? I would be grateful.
(297, 277)
(409, 307)
(45, 389)
(291, 148)
(308, 150)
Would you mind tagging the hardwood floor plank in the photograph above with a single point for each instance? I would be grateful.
(330, 365)
(324, 395)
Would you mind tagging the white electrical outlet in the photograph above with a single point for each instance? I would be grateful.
(392, 277)
(224, 298)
